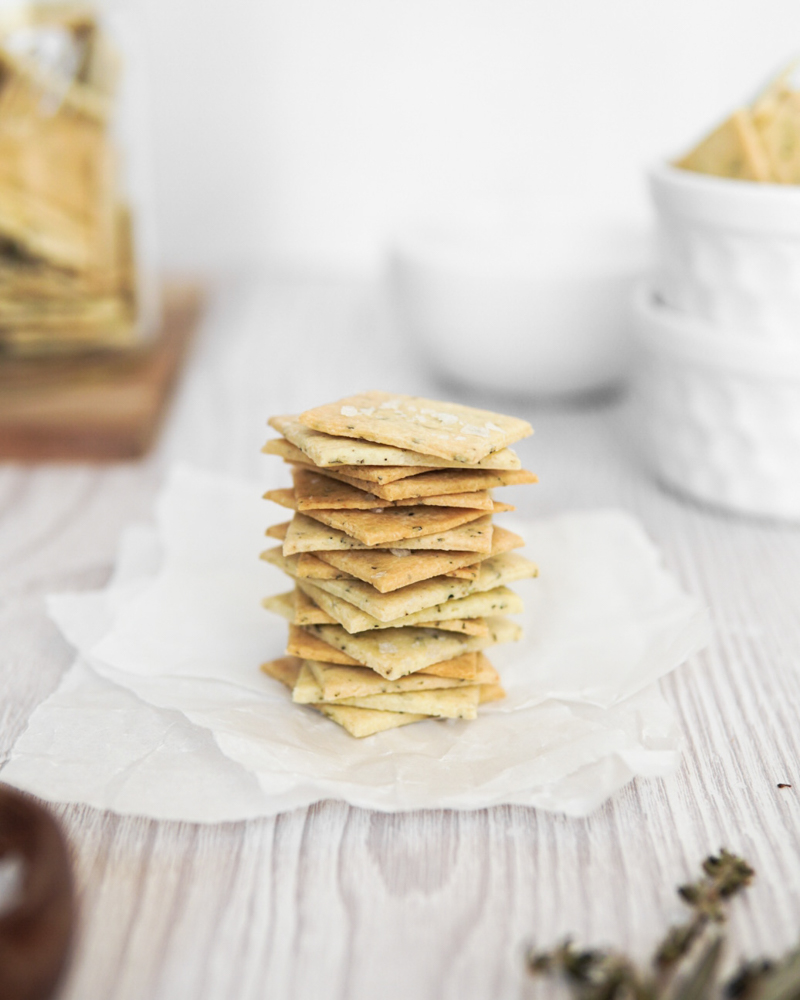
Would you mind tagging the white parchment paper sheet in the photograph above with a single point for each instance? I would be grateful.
(165, 713)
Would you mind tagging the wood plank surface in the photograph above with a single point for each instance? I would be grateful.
(333, 901)
(101, 406)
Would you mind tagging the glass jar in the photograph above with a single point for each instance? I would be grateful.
(76, 264)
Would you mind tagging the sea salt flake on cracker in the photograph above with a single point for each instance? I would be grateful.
(447, 430)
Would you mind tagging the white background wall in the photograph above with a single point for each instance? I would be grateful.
(305, 130)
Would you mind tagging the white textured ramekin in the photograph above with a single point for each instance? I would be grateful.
(720, 415)
(729, 252)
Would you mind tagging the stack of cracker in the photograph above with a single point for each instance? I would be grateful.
(399, 573)
(66, 259)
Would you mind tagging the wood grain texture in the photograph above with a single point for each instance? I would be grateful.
(101, 406)
(338, 902)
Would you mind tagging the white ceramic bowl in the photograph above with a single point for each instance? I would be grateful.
(535, 314)
(720, 415)
(729, 252)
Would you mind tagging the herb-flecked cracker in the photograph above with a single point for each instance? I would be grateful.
(325, 450)
(426, 594)
(499, 600)
(305, 534)
(429, 427)
(452, 703)
(362, 722)
(359, 722)
(396, 652)
(449, 699)
(350, 682)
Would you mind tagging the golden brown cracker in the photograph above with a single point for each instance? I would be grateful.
(478, 500)
(286, 450)
(285, 669)
(310, 647)
(393, 524)
(308, 565)
(444, 481)
(313, 490)
(387, 570)
(285, 498)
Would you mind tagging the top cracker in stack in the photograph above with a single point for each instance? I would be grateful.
(400, 575)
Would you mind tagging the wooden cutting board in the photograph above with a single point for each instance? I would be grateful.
(100, 407)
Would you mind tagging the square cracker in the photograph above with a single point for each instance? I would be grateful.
(447, 703)
(306, 612)
(299, 609)
(500, 600)
(360, 473)
(374, 473)
(307, 646)
(314, 490)
(337, 682)
(477, 500)
(285, 669)
(467, 626)
(305, 534)
(452, 703)
(429, 427)
(416, 597)
(286, 450)
(280, 604)
(396, 652)
(325, 450)
(282, 497)
(393, 524)
(465, 573)
(390, 569)
(387, 571)
(307, 564)
(440, 482)
(359, 722)
(310, 647)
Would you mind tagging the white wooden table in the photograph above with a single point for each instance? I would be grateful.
(333, 901)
